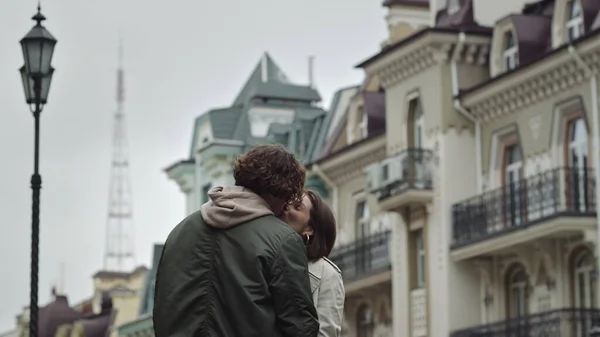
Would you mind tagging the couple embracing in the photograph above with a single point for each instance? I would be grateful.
(253, 261)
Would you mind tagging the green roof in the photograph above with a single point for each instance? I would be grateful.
(275, 84)
(269, 87)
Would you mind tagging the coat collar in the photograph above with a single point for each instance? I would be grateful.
(315, 271)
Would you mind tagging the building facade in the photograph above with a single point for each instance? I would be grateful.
(473, 211)
(462, 171)
(115, 300)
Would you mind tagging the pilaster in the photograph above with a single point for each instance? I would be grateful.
(400, 276)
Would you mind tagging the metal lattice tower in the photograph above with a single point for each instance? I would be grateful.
(119, 251)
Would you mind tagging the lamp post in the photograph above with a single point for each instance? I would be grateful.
(36, 74)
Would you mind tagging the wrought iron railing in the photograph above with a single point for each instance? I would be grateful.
(363, 257)
(555, 323)
(557, 192)
(415, 172)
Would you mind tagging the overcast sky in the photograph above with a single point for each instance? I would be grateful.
(182, 57)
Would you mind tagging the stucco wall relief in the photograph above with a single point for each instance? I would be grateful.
(535, 123)
(540, 86)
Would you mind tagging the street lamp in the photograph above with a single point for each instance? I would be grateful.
(36, 74)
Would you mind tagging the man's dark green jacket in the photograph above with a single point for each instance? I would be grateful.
(233, 269)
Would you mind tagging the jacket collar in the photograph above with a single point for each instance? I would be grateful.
(315, 271)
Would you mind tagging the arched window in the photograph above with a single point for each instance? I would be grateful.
(578, 144)
(511, 51)
(578, 163)
(363, 130)
(575, 27)
(418, 125)
(584, 281)
(517, 293)
(365, 324)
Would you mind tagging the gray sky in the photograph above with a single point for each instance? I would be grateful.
(181, 58)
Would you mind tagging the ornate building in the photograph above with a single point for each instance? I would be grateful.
(268, 109)
(463, 175)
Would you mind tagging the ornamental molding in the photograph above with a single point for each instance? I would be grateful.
(541, 83)
(355, 167)
(426, 52)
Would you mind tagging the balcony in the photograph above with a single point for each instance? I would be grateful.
(555, 323)
(556, 202)
(364, 259)
(402, 179)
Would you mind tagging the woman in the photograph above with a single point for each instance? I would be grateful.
(315, 222)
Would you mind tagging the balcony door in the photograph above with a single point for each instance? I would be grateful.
(517, 294)
(362, 233)
(585, 282)
(516, 298)
(578, 162)
(513, 169)
(415, 156)
(584, 291)
(418, 126)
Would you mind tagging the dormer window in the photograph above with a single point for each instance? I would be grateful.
(362, 126)
(575, 20)
(511, 52)
(453, 6)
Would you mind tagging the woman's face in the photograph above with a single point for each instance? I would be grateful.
(297, 217)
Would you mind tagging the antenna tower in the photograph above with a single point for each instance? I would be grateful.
(119, 249)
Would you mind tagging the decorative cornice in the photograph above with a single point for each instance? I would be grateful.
(427, 51)
(356, 167)
(351, 164)
(538, 84)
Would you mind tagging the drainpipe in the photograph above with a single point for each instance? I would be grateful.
(595, 129)
(335, 192)
(463, 111)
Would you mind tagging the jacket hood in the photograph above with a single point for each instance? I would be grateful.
(233, 205)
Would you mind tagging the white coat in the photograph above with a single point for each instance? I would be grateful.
(328, 296)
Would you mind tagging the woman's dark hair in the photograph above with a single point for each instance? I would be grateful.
(323, 225)
(271, 169)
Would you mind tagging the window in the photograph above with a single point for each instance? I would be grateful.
(364, 326)
(511, 52)
(517, 293)
(416, 124)
(578, 163)
(512, 183)
(420, 259)
(385, 172)
(453, 6)
(362, 126)
(574, 20)
(585, 281)
(578, 144)
(362, 219)
(261, 118)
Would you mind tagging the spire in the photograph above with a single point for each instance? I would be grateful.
(120, 77)
(264, 68)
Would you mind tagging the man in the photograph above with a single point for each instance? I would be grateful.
(234, 269)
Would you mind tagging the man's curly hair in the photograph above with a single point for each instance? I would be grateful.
(271, 169)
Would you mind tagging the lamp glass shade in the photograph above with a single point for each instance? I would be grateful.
(29, 86)
(38, 49)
